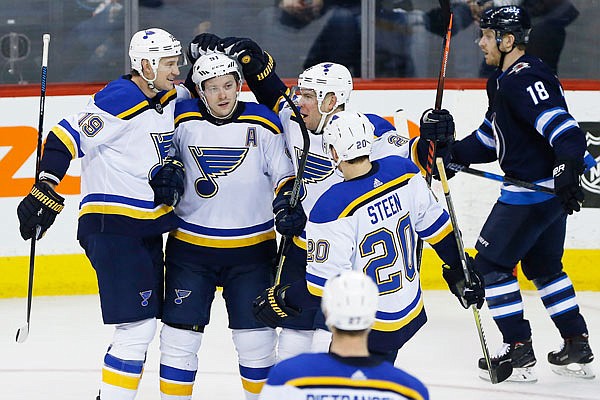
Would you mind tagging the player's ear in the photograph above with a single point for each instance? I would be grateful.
(147, 69)
(330, 102)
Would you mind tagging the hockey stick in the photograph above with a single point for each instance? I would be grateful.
(445, 6)
(23, 332)
(285, 242)
(484, 174)
(502, 371)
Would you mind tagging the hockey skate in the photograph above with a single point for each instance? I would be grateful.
(520, 355)
(573, 358)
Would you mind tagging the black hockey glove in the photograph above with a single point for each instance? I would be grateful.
(288, 221)
(467, 295)
(255, 62)
(567, 184)
(39, 208)
(167, 183)
(203, 44)
(270, 308)
(437, 126)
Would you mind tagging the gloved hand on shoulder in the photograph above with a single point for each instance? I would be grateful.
(254, 60)
(202, 44)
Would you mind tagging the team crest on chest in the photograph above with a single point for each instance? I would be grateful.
(215, 162)
(318, 168)
(519, 67)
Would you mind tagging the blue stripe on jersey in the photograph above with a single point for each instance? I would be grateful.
(392, 316)
(74, 134)
(112, 198)
(562, 128)
(223, 232)
(441, 221)
(129, 366)
(344, 198)
(262, 114)
(254, 373)
(316, 280)
(485, 134)
(523, 196)
(381, 125)
(544, 119)
(176, 374)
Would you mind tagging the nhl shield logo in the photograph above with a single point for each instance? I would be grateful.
(591, 178)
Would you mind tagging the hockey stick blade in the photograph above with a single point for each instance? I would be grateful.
(22, 333)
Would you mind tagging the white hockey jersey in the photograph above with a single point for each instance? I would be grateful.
(371, 224)
(232, 171)
(319, 173)
(122, 137)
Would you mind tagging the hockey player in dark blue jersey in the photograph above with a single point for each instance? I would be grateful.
(531, 133)
(347, 371)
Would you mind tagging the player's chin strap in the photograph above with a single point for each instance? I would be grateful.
(150, 82)
(324, 118)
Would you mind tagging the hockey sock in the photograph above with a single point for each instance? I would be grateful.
(124, 361)
(178, 362)
(256, 356)
(293, 342)
(505, 303)
(558, 295)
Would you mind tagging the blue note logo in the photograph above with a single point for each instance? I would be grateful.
(180, 295)
(146, 294)
(215, 162)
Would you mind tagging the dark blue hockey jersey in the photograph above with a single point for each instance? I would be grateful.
(526, 128)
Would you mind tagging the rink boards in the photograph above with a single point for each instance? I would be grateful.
(61, 268)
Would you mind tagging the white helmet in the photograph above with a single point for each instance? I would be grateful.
(350, 133)
(152, 44)
(350, 301)
(211, 66)
(326, 78)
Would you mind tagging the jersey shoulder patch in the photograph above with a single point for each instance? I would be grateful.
(124, 100)
(187, 110)
(381, 124)
(261, 115)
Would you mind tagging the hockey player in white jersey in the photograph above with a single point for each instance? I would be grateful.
(370, 222)
(322, 91)
(128, 188)
(235, 161)
(347, 371)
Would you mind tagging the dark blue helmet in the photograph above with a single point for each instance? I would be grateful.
(507, 19)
